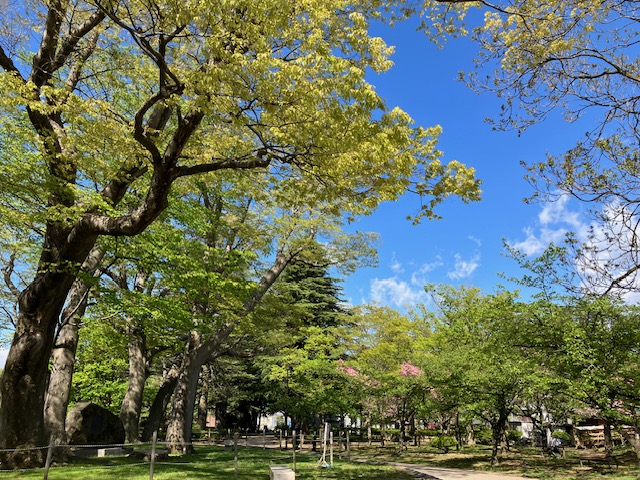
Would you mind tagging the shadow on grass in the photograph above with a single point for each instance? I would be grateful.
(211, 463)
(470, 462)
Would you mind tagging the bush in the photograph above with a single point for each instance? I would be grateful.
(514, 436)
(562, 436)
(484, 436)
(443, 442)
(393, 434)
(427, 433)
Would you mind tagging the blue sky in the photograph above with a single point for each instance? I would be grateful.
(466, 246)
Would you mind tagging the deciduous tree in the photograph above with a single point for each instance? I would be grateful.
(577, 58)
(120, 100)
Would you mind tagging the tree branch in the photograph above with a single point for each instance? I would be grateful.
(7, 64)
(70, 42)
(8, 271)
(44, 60)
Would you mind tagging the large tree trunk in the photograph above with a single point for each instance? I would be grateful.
(179, 428)
(132, 401)
(24, 383)
(160, 403)
(64, 353)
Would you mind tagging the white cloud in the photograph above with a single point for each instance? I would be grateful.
(554, 221)
(396, 266)
(606, 243)
(391, 291)
(464, 268)
(3, 356)
(536, 243)
(557, 212)
(475, 240)
(419, 277)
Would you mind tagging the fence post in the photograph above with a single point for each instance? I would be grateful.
(153, 454)
(331, 448)
(235, 452)
(47, 463)
(294, 450)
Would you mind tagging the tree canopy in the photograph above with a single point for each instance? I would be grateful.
(576, 59)
(115, 102)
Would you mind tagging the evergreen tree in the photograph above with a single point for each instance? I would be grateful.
(312, 293)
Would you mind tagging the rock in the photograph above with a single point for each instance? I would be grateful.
(91, 424)
(145, 455)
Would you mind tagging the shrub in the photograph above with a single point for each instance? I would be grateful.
(443, 442)
(514, 436)
(562, 436)
(484, 436)
(393, 434)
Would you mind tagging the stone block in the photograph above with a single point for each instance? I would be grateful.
(105, 452)
(281, 472)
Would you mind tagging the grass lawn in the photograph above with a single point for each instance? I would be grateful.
(211, 463)
(525, 462)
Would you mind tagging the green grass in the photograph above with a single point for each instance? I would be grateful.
(525, 462)
(211, 463)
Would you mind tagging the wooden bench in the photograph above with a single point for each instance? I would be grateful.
(281, 472)
(598, 457)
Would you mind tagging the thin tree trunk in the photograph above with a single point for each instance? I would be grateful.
(202, 400)
(608, 440)
(58, 393)
(498, 429)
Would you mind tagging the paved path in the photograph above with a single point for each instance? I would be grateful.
(420, 471)
(453, 473)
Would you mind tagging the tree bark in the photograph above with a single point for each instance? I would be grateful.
(132, 401)
(64, 353)
(180, 426)
(160, 403)
(199, 351)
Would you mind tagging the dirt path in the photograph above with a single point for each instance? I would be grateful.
(438, 473)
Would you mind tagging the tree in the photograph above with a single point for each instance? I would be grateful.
(587, 342)
(121, 100)
(301, 371)
(577, 57)
(599, 362)
(481, 345)
(389, 355)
